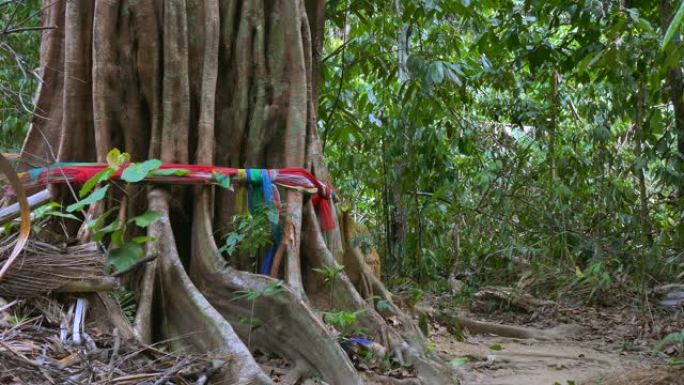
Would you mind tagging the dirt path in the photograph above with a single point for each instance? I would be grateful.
(506, 361)
(588, 346)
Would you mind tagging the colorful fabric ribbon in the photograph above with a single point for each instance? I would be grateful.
(255, 187)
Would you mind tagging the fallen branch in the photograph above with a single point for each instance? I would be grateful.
(522, 300)
(26, 29)
(89, 285)
(480, 327)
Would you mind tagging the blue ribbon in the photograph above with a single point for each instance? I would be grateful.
(360, 340)
(267, 189)
(255, 198)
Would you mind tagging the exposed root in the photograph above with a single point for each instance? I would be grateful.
(524, 301)
(479, 327)
(378, 379)
(406, 341)
(276, 320)
(300, 370)
(187, 313)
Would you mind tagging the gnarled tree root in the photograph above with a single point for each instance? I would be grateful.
(278, 322)
(508, 331)
(405, 340)
(187, 316)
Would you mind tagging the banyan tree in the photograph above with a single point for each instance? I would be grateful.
(227, 83)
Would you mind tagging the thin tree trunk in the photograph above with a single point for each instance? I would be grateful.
(644, 223)
(675, 81)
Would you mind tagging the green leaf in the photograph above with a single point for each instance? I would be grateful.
(101, 176)
(110, 228)
(674, 26)
(436, 72)
(49, 209)
(116, 158)
(496, 347)
(45, 209)
(125, 256)
(232, 242)
(142, 239)
(97, 195)
(458, 361)
(96, 223)
(383, 306)
(62, 215)
(138, 171)
(170, 172)
(146, 219)
(117, 237)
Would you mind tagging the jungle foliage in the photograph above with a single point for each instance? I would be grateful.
(19, 41)
(510, 141)
(501, 141)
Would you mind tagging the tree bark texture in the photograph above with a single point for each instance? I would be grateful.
(223, 82)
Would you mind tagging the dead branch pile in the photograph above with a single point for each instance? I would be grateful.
(42, 268)
(31, 352)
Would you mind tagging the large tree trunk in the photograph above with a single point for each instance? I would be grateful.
(224, 82)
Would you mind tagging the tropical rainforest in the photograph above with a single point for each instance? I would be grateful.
(342, 192)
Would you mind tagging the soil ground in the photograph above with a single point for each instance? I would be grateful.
(592, 345)
(588, 345)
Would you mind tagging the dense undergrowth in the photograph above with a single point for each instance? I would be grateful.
(518, 143)
(19, 49)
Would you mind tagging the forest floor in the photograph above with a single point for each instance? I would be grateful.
(575, 345)
(583, 345)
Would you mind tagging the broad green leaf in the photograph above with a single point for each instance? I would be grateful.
(101, 176)
(116, 158)
(138, 171)
(117, 238)
(97, 195)
(146, 219)
(170, 172)
(436, 72)
(496, 347)
(96, 223)
(45, 209)
(110, 228)
(62, 215)
(458, 361)
(125, 256)
(142, 239)
(383, 306)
